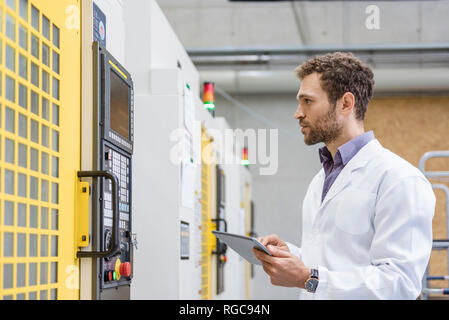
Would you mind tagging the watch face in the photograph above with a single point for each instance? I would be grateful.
(311, 285)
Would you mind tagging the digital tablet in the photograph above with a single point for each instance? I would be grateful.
(242, 245)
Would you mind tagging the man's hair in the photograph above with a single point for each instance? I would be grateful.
(342, 72)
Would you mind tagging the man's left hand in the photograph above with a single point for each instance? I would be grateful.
(284, 268)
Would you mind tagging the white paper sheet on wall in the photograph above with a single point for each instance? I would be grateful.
(187, 165)
(189, 109)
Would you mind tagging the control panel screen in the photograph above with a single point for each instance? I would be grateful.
(119, 106)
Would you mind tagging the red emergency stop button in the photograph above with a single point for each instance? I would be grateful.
(125, 269)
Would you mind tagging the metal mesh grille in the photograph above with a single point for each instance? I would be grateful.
(30, 155)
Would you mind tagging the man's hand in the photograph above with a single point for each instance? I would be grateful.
(273, 240)
(284, 268)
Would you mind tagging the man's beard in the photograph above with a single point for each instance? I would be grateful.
(326, 129)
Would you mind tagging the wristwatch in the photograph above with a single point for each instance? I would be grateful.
(312, 283)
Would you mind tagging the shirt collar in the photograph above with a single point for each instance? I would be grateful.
(325, 154)
(348, 150)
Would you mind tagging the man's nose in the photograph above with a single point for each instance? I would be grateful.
(299, 114)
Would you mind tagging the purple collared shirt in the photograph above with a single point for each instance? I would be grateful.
(346, 152)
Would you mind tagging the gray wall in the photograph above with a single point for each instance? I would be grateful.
(278, 198)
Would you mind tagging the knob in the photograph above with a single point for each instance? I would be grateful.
(117, 269)
(125, 269)
(107, 276)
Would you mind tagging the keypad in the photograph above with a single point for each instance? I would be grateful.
(119, 165)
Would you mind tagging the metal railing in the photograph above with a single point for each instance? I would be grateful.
(438, 244)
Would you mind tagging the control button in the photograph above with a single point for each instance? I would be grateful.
(107, 276)
(125, 269)
(114, 276)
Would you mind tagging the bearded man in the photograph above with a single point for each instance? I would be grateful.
(367, 214)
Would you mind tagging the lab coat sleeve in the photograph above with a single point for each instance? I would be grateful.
(400, 249)
(294, 249)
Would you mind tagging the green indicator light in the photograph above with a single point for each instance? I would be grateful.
(245, 162)
(209, 105)
(113, 276)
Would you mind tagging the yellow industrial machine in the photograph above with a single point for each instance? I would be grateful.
(40, 156)
(207, 238)
(46, 206)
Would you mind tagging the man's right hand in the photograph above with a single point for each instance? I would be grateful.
(273, 240)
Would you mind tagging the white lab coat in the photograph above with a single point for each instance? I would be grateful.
(371, 237)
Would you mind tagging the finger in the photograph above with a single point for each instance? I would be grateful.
(272, 239)
(277, 252)
(263, 240)
(262, 256)
(257, 253)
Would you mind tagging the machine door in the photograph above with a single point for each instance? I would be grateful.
(40, 148)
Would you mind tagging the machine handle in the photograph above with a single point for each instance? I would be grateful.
(222, 220)
(115, 243)
(223, 251)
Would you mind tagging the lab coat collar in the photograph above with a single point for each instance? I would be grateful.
(344, 178)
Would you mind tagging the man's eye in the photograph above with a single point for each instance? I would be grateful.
(307, 101)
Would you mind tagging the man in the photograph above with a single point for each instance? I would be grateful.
(367, 215)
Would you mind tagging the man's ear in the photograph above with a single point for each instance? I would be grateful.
(348, 101)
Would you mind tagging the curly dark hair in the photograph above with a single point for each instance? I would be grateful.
(342, 72)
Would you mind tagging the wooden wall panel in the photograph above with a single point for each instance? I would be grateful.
(411, 126)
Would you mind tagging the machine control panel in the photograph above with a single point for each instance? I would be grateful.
(114, 142)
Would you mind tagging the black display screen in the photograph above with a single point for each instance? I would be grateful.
(119, 106)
